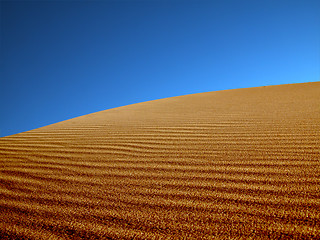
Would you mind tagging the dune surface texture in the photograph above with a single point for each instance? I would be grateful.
(233, 164)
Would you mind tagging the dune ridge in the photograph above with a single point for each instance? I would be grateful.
(233, 164)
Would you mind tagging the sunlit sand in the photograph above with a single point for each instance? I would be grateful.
(231, 164)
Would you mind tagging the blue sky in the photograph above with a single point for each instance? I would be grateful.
(63, 59)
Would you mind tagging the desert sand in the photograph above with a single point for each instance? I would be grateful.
(233, 164)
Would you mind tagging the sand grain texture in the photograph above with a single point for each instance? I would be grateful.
(234, 164)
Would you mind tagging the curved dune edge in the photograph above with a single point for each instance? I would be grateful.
(232, 164)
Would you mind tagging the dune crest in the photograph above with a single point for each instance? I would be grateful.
(230, 164)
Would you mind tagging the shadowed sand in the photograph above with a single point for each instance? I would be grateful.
(230, 164)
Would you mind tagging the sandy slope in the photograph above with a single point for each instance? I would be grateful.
(230, 164)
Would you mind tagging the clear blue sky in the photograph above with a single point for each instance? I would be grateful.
(63, 59)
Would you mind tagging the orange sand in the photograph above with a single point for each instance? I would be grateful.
(230, 164)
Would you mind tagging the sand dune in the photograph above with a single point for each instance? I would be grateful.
(235, 164)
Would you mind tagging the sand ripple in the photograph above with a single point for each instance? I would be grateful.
(227, 165)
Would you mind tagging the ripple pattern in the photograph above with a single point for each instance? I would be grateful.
(235, 164)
